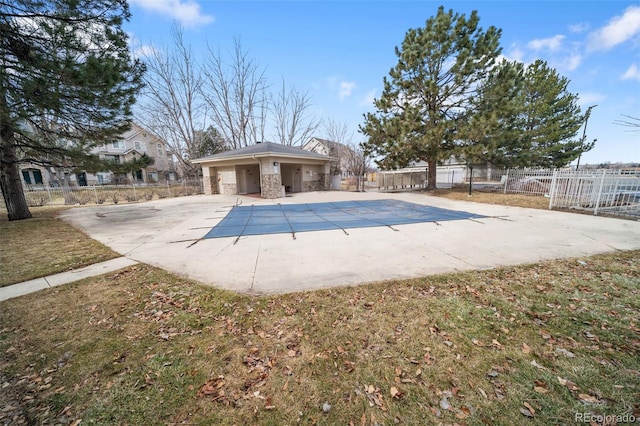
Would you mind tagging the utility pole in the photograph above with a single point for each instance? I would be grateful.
(584, 132)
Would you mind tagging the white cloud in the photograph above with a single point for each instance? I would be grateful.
(632, 73)
(618, 30)
(346, 87)
(187, 12)
(579, 28)
(144, 51)
(368, 98)
(590, 98)
(515, 54)
(572, 62)
(551, 43)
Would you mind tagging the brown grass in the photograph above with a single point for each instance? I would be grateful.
(518, 200)
(44, 245)
(534, 344)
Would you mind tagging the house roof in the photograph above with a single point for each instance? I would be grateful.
(263, 149)
(327, 143)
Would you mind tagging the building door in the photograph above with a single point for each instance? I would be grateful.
(292, 177)
(248, 179)
(286, 174)
(82, 179)
(296, 176)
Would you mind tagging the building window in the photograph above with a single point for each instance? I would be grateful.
(118, 144)
(160, 150)
(138, 145)
(32, 176)
(113, 158)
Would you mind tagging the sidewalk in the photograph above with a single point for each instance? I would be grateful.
(38, 284)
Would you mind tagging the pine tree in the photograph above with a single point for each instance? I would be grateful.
(551, 118)
(67, 84)
(429, 91)
(523, 117)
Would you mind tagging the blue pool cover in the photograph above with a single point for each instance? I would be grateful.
(292, 218)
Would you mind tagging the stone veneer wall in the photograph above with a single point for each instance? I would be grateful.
(229, 189)
(210, 184)
(321, 184)
(271, 186)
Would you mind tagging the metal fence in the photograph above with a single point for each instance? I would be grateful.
(44, 195)
(402, 179)
(600, 191)
(524, 181)
(610, 192)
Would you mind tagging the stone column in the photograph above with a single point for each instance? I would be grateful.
(271, 185)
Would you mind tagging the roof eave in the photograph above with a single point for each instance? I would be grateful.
(260, 155)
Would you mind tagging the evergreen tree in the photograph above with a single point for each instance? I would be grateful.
(492, 132)
(208, 143)
(428, 93)
(67, 84)
(551, 119)
(523, 117)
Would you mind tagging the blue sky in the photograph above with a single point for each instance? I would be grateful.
(340, 51)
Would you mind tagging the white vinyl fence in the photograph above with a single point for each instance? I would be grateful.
(44, 195)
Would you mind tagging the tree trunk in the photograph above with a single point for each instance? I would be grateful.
(10, 180)
(432, 174)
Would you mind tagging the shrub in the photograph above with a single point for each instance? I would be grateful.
(130, 196)
(36, 199)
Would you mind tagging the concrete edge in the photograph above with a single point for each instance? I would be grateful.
(31, 286)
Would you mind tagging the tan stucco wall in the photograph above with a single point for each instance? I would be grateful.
(225, 172)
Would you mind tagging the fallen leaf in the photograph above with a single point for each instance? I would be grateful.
(587, 398)
(529, 407)
(540, 386)
(526, 412)
(444, 403)
(535, 364)
(565, 352)
(568, 384)
(395, 393)
(526, 349)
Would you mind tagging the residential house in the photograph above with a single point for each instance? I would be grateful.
(132, 144)
(339, 151)
(332, 149)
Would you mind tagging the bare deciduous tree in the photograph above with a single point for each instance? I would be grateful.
(357, 164)
(293, 122)
(337, 132)
(172, 106)
(236, 96)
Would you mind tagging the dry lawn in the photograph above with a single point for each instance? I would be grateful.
(44, 245)
(518, 200)
(536, 344)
